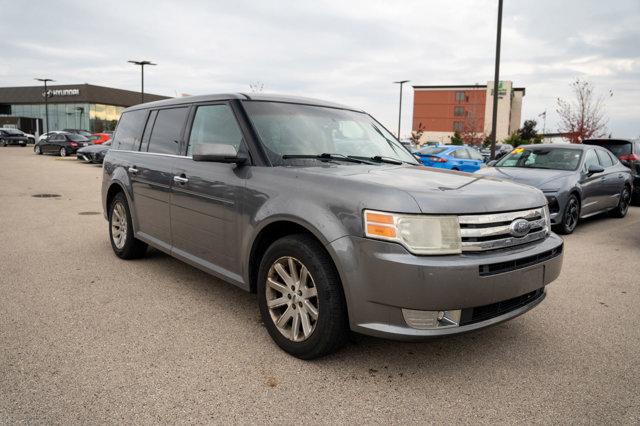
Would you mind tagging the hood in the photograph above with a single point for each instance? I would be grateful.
(534, 177)
(436, 191)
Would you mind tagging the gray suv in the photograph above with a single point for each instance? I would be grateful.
(319, 210)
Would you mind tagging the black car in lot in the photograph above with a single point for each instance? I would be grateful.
(12, 137)
(628, 152)
(60, 143)
(94, 153)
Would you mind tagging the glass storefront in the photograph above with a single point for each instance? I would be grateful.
(92, 117)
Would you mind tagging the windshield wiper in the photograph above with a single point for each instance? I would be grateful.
(326, 156)
(383, 159)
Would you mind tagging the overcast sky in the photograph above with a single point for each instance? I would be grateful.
(344, 51)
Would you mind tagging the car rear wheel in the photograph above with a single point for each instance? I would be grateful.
(623, 205)
(3, 142)
(63, 152)
(37, 149)
(123, 243)
(300, 298)
(570, 216)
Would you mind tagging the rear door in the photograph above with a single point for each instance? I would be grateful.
(205, 205)
(151, 173)
(459, 156)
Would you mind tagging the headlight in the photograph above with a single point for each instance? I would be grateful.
(420, 234)
(547, 218)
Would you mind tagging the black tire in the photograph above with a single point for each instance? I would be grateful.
(37, 149)
(570, 216)
(331, 327)
(3, 142)
(623, 205)
(132, 247)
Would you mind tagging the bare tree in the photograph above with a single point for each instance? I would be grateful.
(584, 117)
(256, 86)
(470, 125)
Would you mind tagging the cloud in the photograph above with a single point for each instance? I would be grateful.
(345, 51)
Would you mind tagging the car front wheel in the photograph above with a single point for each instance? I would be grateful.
(37, 149)
(63, 152)
(300, 298)
(123, 243)
(570, 216)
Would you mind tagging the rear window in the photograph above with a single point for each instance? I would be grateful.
(129, 130)
(12, 132)
(76, 138)
(432, 150)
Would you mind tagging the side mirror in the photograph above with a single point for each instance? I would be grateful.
(593, 169)
(491, 163)
(217, 153)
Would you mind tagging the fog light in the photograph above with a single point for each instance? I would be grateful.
(429, 320)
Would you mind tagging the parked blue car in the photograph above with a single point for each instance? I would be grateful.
(453, 157)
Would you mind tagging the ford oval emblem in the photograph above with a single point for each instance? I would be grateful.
(519, 228)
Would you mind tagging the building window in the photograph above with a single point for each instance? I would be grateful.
(457, 126)
(458, 111)
(460, 97)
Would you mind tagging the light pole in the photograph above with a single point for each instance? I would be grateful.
(400, 105)
(46, 101)
(142, 64)
(496, 78)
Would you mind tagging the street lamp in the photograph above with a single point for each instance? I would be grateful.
(400, 105)
(46, 103)
(496, 79)
(142, 64)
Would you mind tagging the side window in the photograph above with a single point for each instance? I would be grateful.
(475, 155)
(614, 160)
(147, 131)
(590, 159)
(461, 154)
(129, 130)
(165, 136)
(605, 160)
(214, 124)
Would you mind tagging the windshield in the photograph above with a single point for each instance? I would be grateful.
(293, 130)
(542, 158)
(12, 131)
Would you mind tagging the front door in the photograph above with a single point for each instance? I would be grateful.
(205, 203)
(612, 185)
(592, 186)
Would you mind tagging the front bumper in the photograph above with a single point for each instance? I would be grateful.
(381, 279)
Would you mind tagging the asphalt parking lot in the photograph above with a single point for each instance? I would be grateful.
(86, 337)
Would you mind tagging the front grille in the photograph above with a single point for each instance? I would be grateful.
(495, 231)
(512, 265)
(486, 312)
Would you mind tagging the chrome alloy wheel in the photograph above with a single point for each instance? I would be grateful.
(625, 200)
(63, 152)
(119, 225)
(292, 298)
(571, 214)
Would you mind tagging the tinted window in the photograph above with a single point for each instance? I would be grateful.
(591, 159)
(460, 153)
(614, 160)
(165, 136)
(76, 138)
(605, 160)
(214, 124)
(129, 130)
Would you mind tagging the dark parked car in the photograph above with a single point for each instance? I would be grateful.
(12, 137)
(94, 153)
(322, 212)
(60, 143)
(628, 152)
(578, 180)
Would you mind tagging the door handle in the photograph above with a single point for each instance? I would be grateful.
(133, 170)
(180, 179)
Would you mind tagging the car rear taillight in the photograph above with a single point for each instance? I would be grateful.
(435, 159)
(73, 144)
(629, 157)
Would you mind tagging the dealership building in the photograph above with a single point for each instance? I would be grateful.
(73, 106)
(439, 111)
